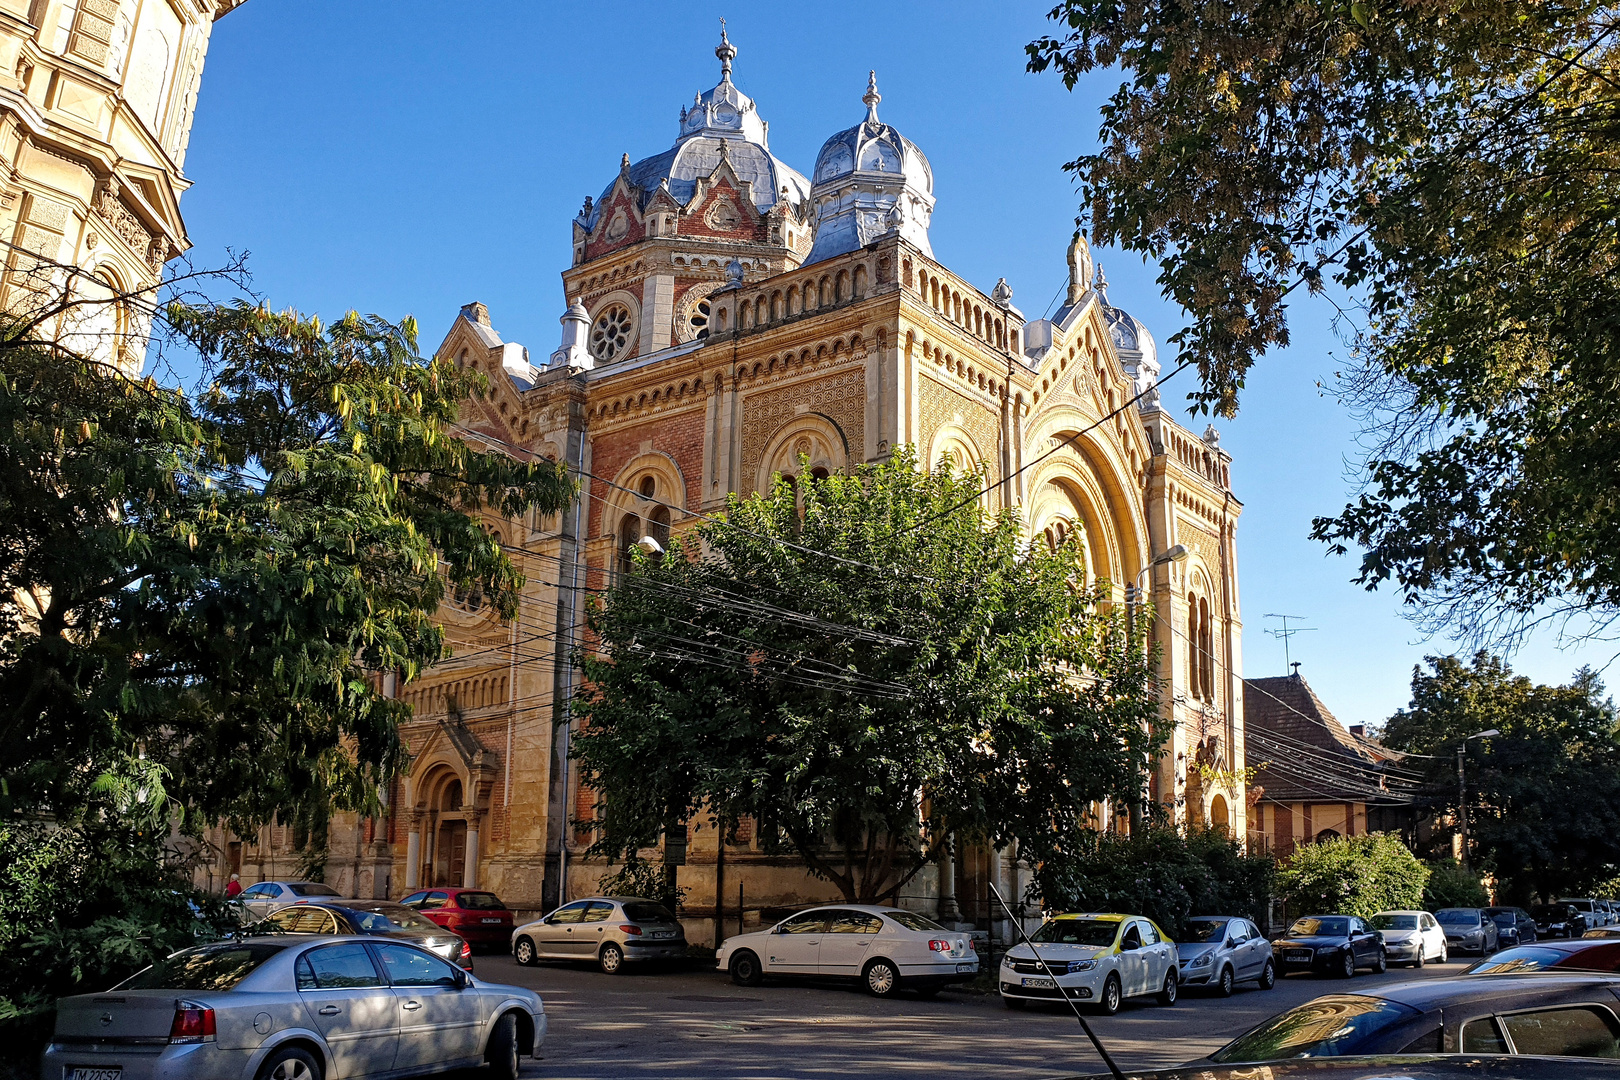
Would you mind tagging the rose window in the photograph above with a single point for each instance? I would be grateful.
(610, 333)
(699, 319)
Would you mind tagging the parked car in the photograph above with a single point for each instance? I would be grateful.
(1613, 909)
(885, 949)
(1220, 951)
(1468, 930)
(1581, 954)
(261, 899)
(474, 914)
(1558, 920)
(1592, 916)
(1329, 945)
(609, 931)
(373, 918)
(1514, 926)
(1383, 1067)
(1411, 937)
(295, 1010)
(1547, 1015)
(1101, 959)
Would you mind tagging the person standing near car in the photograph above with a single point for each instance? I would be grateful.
(233, 888)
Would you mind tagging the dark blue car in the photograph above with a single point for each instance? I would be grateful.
(1329, 945)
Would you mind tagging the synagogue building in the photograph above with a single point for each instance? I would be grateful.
(729, 318)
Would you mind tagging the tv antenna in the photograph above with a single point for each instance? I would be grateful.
(1287, 632)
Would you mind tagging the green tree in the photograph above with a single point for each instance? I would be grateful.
(865, 666)
(197, 594)
(1352, 875)
(1451, 172)
(1451, 886)
(1164, 873)
(1544, 795)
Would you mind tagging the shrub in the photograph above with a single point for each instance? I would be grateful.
(1164, 873)
(648, 880)
(1451, 886)
(1352, 875)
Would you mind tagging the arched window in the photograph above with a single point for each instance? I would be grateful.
(1206, 648)
(629, 536)
(1219, 816)
(658, 526)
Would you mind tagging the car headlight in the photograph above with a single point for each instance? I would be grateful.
(1204, 960)
(1081, 965)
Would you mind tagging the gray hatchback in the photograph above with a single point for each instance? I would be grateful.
(610, 930)
(1220, 951)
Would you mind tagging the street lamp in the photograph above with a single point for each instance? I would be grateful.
(1462, 791)
(1175, 554)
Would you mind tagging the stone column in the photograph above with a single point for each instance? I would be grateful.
(469, 877)
(413, 851)
(949, 913)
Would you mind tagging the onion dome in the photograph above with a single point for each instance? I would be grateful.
(1138, 352)
(870, 181)
(722, 123)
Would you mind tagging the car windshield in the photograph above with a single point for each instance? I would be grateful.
(1504, 919)
(480, 901)
(312, 888)
(1578, 905)
(1334, 926)
(1093, 933)
(1327, 1027)
(1394, 922)
(1458, 917)
(1544, 912)
(386, 918)
(208, 968)
(1201, 931)
(647, 911)
(1523, 958)
(913, 921)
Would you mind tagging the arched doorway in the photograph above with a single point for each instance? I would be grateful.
(1218, 814)
(450, 846)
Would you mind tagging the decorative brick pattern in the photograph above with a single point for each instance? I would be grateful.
(841, 398)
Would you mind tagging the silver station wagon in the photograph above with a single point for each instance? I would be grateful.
(324, 1008)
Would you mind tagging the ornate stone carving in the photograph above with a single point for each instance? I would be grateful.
(840, 397)
(723, 216)
(941, 405)
(126, 225)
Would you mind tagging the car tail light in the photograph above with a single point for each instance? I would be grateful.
(969, 944)
(193, 1023)
(466, 955)
(633, 931)
(938, 945)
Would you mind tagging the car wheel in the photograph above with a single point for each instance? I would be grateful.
(1347, 968)
(1171, 990)
(611, 959)
(1381, 964)
(1227, 982)
(745, 969)
(1421, 958)
(1268, 976)
(881, 978)
(293, 1063)
(524, 952)
(1445, 954)
(1014, 1003)
(1108, 1004)
(502, 1052)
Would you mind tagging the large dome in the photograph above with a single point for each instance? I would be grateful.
(723, 116)
(869, 181)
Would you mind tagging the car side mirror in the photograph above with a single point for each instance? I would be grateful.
(462, 981)
(1231, 943)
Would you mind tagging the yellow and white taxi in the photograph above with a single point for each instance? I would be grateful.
(1100, 959)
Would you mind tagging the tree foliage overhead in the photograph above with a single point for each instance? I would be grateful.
(1544, 795)
(1454, 170)
(1352, 875)
(196, 590)
(862, 667)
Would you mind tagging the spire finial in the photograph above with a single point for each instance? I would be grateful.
(726, 51)
(871, 97)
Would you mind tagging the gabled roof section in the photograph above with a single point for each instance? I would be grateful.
(1307, 755)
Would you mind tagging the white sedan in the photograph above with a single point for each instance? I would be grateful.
(1411, 937)
(885, 949)
(1098, 959)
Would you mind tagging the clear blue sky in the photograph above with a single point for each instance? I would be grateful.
(407, 157)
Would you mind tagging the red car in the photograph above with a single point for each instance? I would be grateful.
(478, 916)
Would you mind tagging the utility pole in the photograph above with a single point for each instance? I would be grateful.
(1462, 804)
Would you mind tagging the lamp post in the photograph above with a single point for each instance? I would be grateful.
(1462, 791)
(1133, 596)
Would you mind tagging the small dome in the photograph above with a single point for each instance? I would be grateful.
(1138, 352)
(869, 181)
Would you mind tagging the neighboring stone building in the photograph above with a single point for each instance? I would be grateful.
(96, 100)
(728, 316)
(1314, 778)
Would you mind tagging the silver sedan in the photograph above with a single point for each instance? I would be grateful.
(324, 1008)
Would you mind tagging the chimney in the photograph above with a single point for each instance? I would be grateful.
(476, 312)
(1359, 730)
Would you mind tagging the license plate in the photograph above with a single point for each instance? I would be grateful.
(496, 921)
(1039, 984)
(967, 967)
(92, 1074)
(1298, 954)
(663, 933)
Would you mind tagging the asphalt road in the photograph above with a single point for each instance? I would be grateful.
(696, 1023)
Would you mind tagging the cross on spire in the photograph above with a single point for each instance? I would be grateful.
(726, 51)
